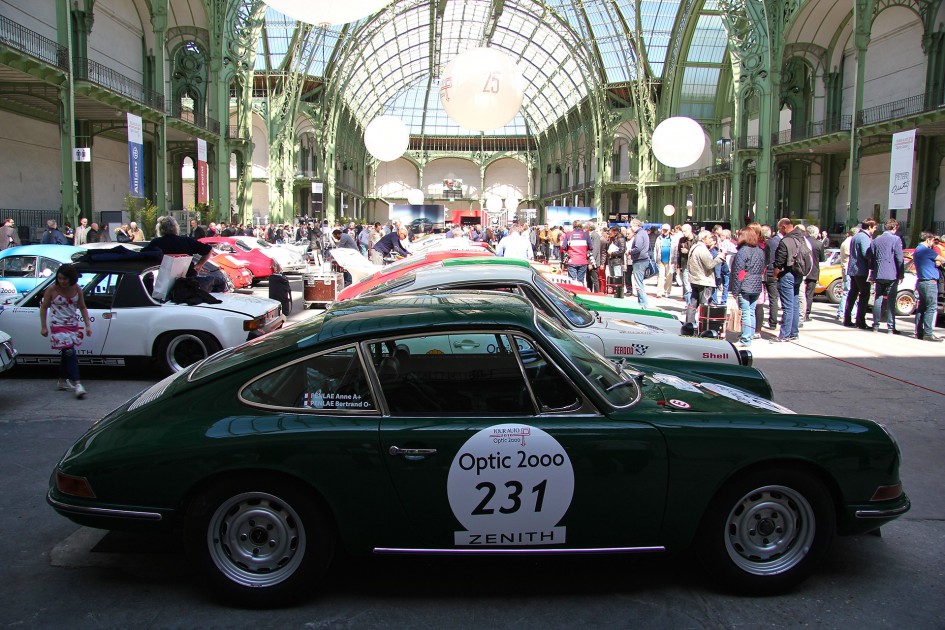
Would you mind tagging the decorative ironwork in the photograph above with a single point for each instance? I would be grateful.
(99, 74)
(896, 109)
(813, 130)
(32, 43)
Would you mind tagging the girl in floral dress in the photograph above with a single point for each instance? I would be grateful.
(64, 302)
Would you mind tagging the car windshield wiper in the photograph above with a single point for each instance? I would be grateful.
(622, 383)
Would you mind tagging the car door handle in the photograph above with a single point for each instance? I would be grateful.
(109, 315)
(466, 344)
(412, 453)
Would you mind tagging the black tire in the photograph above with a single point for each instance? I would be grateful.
(176, 350)
(765, 532)
(259, 541)
(906, 303)
(834, 291)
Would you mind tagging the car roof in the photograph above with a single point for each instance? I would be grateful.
(496, 260)
(443, 274)
(62, 253)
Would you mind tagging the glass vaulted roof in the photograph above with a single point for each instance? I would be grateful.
(390, 63)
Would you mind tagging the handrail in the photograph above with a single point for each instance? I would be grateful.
(32, 43)
(749, 142)
(175, 110)
(813, 130)
(895, 109)
(95, 72)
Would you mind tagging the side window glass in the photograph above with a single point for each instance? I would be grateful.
(100, 292)
(459, 374)
(333, 381)
(19, 267)
(552, 391)
(48, 267)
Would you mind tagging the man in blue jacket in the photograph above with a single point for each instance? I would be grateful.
(858, 269)
(640, 259)
(887, 270)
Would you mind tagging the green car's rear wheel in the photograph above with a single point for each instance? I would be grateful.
(259, 541)
(765, 533)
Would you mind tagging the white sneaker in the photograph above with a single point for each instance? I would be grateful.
(79, 391)
(64, 384)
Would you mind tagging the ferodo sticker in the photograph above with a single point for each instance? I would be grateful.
(510, 485)
(630, 350)
(744, 397)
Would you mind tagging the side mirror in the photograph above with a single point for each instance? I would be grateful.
(709, 334)
(687, 330)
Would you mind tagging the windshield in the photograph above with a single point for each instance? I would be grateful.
(576, 314)
(614, 383)
(392, 285)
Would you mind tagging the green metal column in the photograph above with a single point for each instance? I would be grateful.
(930, 150)
(69, 204)
(218, 104)
(159, 24)
(862, 19)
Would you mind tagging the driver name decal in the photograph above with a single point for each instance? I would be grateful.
(510, 485)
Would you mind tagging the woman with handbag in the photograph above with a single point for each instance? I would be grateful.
(748, 271)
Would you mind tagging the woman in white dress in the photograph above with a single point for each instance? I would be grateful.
(64, 302)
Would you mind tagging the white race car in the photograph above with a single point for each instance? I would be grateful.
(7, 352)
(613, 336)
(127, 323)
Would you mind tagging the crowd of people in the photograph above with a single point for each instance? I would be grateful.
(760, 266)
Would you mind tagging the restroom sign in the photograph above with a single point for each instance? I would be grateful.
(81, 154)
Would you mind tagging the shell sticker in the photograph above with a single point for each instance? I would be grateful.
(510, 485)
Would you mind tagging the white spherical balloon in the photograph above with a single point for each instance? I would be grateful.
(386, 138)
(493, 204)
(482, 89)
(415, 197)
(669, 209)
(678, 142)
(327, 12)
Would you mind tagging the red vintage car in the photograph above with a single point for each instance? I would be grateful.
(401, 267)
(237, 270)
(261, 265)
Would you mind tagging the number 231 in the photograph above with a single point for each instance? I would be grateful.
(514, 495)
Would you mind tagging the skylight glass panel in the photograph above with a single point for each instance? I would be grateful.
(709, 40)
(698, 92)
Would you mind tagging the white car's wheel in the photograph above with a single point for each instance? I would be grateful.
(906, 303)
(176, 350)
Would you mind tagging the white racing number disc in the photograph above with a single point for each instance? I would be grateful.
(510, 485)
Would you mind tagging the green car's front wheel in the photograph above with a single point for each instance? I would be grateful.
(259, 542)
(765, 533)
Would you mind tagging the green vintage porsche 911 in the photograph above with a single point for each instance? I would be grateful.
(468, 423)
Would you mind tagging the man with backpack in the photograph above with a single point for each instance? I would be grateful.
(858, 269)
(793, 262)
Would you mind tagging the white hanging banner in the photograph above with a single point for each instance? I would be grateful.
(900, 170)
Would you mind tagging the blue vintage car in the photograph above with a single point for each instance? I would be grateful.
(22, 268)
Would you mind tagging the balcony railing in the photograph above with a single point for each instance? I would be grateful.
(891, 111)
(749, 142)
(723, 167)
(233, 131)
(32, 43)
(813, 130)
(94, 72)
(198, 119)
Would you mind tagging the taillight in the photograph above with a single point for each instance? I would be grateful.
(72, 485)
(887, 493)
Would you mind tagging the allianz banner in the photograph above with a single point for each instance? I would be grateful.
(900, 170)
(135, 156)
